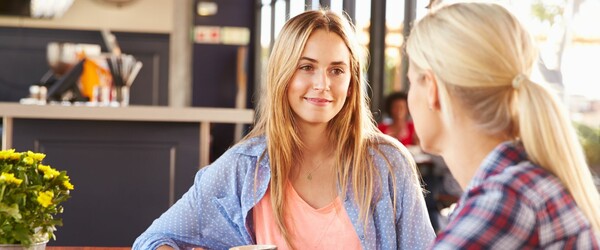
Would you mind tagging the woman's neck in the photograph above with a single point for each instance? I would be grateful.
(315, 139)
(313, 177)
(465, 150)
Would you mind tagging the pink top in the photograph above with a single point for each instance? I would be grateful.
(328, 227)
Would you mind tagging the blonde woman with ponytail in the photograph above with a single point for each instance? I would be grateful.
(314, 172)
(506, 139)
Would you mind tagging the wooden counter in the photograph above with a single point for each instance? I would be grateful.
(203, 116)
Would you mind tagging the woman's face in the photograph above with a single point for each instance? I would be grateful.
(426, 121)
(319, 87)
(399, 110)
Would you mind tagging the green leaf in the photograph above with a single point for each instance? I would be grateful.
(12, 211)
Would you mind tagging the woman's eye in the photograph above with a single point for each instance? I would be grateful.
(306, 67)
(337, 71)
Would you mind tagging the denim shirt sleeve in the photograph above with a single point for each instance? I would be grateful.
(406, 227)
(413, 227)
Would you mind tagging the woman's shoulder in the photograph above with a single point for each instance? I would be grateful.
(395, 164)
(254, 146)
(243, 153)
(529, 182)
(386, 149)
(385, 143)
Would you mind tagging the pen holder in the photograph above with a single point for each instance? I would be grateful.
(121, 96)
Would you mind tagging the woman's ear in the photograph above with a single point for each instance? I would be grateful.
(433, 99)
(349, 92)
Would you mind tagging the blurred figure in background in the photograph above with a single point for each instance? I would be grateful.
(399, 124)
(507, 140)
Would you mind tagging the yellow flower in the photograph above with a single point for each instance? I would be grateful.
(68, 185)
(28, 160)
(45, 198)
(36, 156)
(5, 154)
(49, 172)
(15, 156)
(9, 155)
(43, 167)
(10, 178)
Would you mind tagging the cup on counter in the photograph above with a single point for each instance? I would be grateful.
(101, 95)
(120, 96)
(255, 247)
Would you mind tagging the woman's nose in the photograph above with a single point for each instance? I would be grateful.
(321, 82)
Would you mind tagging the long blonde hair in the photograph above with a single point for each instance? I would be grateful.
(483, 56)
(352, 131)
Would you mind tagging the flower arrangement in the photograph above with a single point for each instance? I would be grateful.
(30, 196)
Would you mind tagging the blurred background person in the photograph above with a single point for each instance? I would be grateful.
(398, 123)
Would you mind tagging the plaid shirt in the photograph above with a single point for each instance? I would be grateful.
(513, 204)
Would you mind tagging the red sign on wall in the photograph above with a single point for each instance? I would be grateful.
(207, 34)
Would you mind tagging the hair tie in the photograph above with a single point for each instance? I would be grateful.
(516, 82)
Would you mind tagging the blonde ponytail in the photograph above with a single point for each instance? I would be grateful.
(551, 142)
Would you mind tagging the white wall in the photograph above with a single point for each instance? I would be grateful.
(151, 16)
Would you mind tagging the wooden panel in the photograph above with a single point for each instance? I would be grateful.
(125, 173)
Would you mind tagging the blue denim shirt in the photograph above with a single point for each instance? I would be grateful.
(216, 212)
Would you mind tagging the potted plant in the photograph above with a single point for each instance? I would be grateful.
(30, 196)
(590, 140)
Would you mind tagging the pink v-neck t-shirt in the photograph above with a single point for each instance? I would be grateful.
(328, 227)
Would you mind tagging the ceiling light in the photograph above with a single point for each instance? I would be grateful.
(206, 8)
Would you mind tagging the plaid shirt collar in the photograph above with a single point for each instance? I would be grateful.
(506, 154)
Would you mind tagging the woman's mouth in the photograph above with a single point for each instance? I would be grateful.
(317, 101)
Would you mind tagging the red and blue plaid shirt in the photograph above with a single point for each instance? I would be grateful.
(513, 204)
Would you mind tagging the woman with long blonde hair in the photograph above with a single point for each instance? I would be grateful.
(314, 172)
(506, 139)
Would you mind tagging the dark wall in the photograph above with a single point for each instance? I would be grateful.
(23, 60)
(214, 67)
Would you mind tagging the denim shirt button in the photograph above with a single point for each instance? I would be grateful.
(362, 237)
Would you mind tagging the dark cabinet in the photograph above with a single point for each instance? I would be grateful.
(126, 173)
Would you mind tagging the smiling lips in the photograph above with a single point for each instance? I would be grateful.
(318, 101)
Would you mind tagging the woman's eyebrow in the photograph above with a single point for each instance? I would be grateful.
(309, 59)
(316, 61)
(339, 63)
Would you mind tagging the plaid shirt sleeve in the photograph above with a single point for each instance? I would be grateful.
(492, 216)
